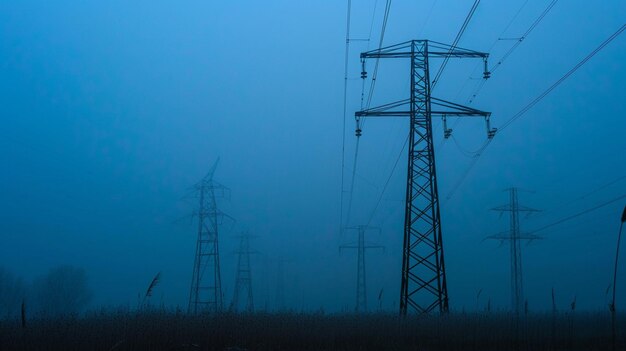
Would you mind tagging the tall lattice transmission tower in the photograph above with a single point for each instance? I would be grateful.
(514, 236)
(423, 283)
(243, 281)
(361, 245)
(206, 283)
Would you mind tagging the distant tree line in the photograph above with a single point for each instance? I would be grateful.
(61, 291)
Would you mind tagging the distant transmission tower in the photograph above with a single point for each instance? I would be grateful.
(243, 282)
(206, 283)
(514, 236)
(361, 246)
(423, 285)
(280, 285)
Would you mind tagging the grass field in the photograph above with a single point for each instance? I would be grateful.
(163, 330)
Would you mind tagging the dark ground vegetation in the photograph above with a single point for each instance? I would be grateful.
(164, 330)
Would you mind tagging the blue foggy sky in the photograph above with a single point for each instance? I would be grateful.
(113, 110)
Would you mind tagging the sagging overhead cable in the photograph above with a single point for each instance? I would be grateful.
(581, 213)
(345, 111)
(514, 47)
(380, 45)
(563, 78)
(530, 105)
(528, 31)
(360, 125)
(455, 43)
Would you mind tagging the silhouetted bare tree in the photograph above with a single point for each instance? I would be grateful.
(63, 290)
(12, 292)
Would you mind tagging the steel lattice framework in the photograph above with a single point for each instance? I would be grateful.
(423, 284)
(243, 281)
(515, 237)
(206, 283)
(361, 245)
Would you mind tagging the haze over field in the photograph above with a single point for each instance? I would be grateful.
(113, 110)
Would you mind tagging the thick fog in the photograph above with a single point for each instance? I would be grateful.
(112, 112)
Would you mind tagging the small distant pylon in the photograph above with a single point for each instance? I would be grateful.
(243, 282)
(280, 285)
(206, 283)
(361, 246)
(514, 236)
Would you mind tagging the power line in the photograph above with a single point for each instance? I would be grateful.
(455, 43)
(465, 174)
(602, 187)
(483, 81)
(387, 182)
(562, 79)
(372, 23)
(528, 31)
(430, 12)
(356, 155)
(377, 61)
(510, 22)
(515, 46)
(464, 151)
(570, 202)
(568, 218)
(519, 10)
(360, 125)
(533, 103)
(345, 111)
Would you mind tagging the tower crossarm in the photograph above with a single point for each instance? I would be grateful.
(449, 108)
(507, 236)
(356, 246)
(364, 244)
(436, 50)
(439, 107)
(519, 208)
